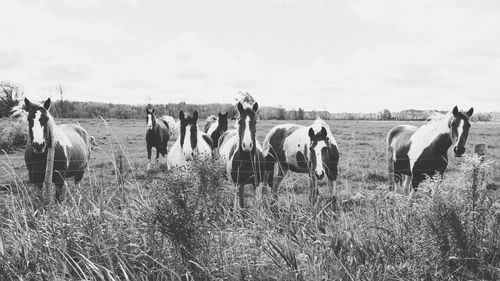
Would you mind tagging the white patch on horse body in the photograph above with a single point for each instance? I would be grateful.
(173, 126)
(175, 155)
(212, 128)
(202, 147)
(407, 127)
(247, 136)
(37, 128)
(424, 136)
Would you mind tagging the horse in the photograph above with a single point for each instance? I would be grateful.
(215, 126)
(416, 152)
(157, 135)
(173, 125)
(242, 152)
(191, 142)
(71, 145)
(301, 149)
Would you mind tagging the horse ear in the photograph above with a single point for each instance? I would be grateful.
(323, 132)
(147, 110)
(195, 115)
(240, 107)
(220, 115)
(255, 107)
(469, 113)
(181, 115)
(46, 104)
(27, 104)
(311, 133)
(455, 111)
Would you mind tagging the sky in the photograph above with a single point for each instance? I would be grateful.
(335, 55)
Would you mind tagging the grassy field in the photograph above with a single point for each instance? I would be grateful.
(362, 148)
(162, 225)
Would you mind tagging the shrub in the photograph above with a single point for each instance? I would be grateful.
(13, 135)
(187, 206)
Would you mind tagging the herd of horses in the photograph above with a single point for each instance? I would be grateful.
(413, 152)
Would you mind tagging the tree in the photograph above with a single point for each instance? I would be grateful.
(300, 114)
(10, 94)
(386, 115)
(245, 97)
(281, 113)
(62, 100)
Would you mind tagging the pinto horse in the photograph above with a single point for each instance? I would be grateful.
(157, 135)
(71, 145)
(301, 149)
(242, 151)
(416, 152)
(191, 142)
(215, 126)
(173, 126)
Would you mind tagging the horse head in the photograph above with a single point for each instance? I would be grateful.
(189, 134)
(38, 125)
(246, 126)
(459, 129)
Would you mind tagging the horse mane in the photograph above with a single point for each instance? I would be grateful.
(436, 116)
(19, 111)
(318, 124)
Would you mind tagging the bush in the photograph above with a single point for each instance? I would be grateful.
(14, 134)
(187, 206)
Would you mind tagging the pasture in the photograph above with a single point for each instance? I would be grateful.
(362, 232)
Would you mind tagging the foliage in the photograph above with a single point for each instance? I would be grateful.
(10, 94)
(13, 134)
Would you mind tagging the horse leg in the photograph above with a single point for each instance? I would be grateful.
(313, 189)
(60, 191)
(148, 148)
(392, 175)
(280, 172)
(241, 194)
(157, 155)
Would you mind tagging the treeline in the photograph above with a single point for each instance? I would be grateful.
(11, 94)
(78, 109)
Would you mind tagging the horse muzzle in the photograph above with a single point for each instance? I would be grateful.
(320, 176)
(247, 146)
(458, 151)
(39, 147)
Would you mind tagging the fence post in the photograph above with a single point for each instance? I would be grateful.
(48, 191)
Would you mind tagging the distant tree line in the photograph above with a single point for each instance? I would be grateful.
(11, 94)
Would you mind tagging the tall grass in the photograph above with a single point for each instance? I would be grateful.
(181, 225)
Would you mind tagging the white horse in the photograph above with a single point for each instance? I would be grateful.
(191, 142)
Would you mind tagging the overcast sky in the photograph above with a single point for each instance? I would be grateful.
(352, 55)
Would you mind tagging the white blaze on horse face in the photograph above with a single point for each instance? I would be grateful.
(186, 147)
(319, 171)
(460, 130)
(247, 136)
(37, 128)
(150, 121)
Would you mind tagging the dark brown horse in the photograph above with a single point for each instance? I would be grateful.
(215, 127)
(157, 135)
(71, 145)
